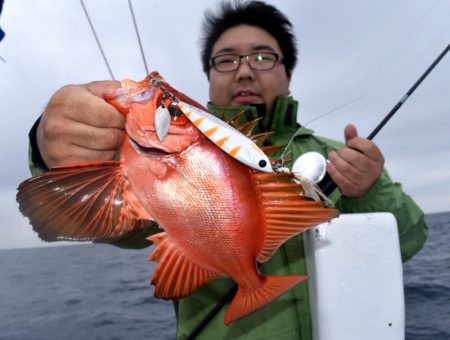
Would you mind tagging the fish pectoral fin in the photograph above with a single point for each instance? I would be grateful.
(176, 275)
(248, 300)
(89, 201)
(287, 211)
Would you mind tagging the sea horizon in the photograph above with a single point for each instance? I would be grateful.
(75, 243)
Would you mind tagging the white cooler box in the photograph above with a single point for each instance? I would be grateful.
(355, 278)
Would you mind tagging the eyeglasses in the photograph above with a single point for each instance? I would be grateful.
(256, 61)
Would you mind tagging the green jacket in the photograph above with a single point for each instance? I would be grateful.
(289, 316)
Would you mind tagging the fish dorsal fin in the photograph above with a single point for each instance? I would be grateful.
(259, 138)
(287, 212)
(234, 121)
(176, 275)
(270, 150)
(222, 115)
(89, 201)
(247, 128)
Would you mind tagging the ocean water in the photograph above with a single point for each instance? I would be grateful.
(102, 292)
(427, 284)
(80, 292)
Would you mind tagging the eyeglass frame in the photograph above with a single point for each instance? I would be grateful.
(278, 59)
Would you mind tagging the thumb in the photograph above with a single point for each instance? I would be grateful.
(103, 88)
(350, 132)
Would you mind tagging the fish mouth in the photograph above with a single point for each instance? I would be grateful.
(149, 151)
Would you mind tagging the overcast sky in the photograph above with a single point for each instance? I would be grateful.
(348, 48)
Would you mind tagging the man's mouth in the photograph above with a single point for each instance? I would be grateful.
(247, 97)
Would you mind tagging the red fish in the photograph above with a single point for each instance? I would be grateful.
(218, 216)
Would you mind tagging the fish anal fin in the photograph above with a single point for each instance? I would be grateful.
(176, 275)
(248, 300)
(287, 212)
(81, 202)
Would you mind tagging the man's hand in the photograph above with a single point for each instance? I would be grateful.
(78, 125)
(355, 167)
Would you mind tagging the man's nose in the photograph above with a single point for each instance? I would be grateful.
(244, 70)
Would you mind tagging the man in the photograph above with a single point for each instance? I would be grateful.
(248, 54)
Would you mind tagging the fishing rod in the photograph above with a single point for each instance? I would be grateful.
(327, 185)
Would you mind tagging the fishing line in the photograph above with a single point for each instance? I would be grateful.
(319, 117)
(96, 39)
(86, 13)
(403, 70)
(393, 46)
(327, 185)
(138, 37)
(382, 88)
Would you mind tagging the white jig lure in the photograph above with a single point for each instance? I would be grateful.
(230, 140)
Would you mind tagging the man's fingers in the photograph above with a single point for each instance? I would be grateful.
(350, 132)
(355, 167)
(366, 147)
(74, 154)
(344, 170)
(93, 138)
(80, 104)
(344, 183)
(102, 88)
(78, 125)
(350, 158)
(100, 114)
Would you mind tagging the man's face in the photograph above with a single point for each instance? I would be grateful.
(247, 86)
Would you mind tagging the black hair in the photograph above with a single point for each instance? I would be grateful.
(254, 13)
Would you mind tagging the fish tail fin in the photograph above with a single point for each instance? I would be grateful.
(248, 300)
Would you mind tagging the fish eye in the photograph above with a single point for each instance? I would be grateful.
(177, 116)
(179, 120)
(174, 110)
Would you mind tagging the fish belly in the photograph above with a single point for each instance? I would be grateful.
(207, 205)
